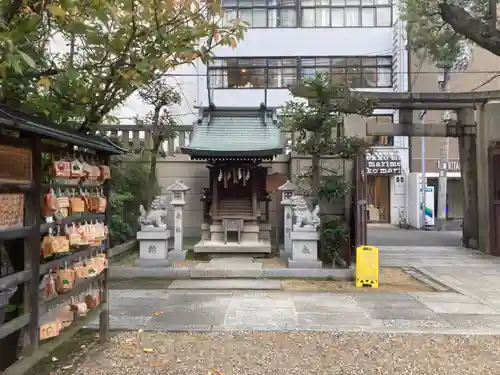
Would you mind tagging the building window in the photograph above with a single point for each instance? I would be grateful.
(358, 72)
(276, 73)
(253, 73)
(382, 140)
(346, 13)
(261, 13)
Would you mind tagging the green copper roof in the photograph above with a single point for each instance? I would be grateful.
(236, 133)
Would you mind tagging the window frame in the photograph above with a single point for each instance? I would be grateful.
(266, 66)
(270, 5)
(346, 66)
(355, 65)
(344, 6)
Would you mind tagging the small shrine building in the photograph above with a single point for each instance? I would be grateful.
(235, 142)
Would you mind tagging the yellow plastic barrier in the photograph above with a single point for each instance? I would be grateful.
(367, 267)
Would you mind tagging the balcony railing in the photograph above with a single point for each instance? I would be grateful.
(138, 139)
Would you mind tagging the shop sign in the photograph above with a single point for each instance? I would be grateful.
(383, 163)
(453, 166)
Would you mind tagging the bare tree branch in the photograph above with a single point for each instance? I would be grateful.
(481, 33)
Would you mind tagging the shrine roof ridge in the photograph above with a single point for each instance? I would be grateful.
(235, 132)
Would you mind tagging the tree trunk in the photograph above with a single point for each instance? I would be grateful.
(315, 177)
(9, 345)
(152, 168)
(473, 28)
(315, 185)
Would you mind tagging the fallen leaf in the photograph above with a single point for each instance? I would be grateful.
(156, 313)
(148, 350)
(67, 367)
(54, 359)
(56, 10)
(44, 82)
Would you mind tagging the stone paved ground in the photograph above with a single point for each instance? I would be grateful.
(476, 310)
(282, 311)
(387, 235)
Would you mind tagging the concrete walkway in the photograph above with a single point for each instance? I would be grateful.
(467, 271)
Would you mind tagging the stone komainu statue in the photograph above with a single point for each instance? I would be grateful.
(304, 217)
(157, 214)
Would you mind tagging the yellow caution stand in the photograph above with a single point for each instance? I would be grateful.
(367, 267)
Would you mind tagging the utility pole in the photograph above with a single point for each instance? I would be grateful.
(443, 154)
(422, 171)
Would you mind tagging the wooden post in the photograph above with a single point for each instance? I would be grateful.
(255, 187)
(468, 170)
(104, 314)
(215, 192)
(32, 243)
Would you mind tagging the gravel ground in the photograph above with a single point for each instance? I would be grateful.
(292, 353)
(390, 280)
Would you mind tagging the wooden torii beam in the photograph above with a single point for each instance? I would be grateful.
(451, 129)
(406, 102)
(430, 101)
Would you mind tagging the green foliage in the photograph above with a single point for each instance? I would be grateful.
(333, 187)
(318, 122)
(114, 47)
(333, 233)
(128, 192)
(160, 121)
(11, 309)
(334, 236)
(430, 37)
(318, 126)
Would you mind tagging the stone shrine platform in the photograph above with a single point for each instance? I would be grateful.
(233, 247)
(228, 267)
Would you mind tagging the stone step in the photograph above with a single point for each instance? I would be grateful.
(226, 284)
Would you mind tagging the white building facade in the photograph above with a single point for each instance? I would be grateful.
(361, 40)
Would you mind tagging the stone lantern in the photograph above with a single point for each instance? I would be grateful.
(287, 191)
(178, 190)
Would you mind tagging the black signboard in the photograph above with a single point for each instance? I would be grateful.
(383, 164)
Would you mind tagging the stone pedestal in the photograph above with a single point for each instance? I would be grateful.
(153, 247)
(304, 248)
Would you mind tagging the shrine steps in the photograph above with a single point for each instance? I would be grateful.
(263, 247)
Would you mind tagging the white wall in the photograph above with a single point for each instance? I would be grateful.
(413, 209)
(312, 42)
